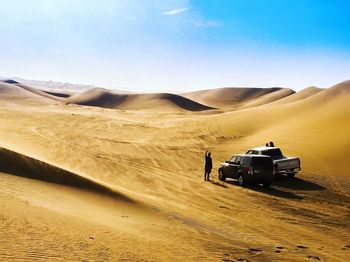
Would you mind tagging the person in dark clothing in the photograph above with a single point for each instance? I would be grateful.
(267, 145)
(208, 165)
(272, 144)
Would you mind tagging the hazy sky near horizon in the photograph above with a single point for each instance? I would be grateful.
(177, 45)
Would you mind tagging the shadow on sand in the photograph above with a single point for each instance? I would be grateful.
(269, 191)
(221, 184)
(283, 182)
(296, 183)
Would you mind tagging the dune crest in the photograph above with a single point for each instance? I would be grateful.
(18, 164)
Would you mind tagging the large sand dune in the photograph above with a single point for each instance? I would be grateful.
(238, 97)
(100, 97)
(153, 161)
(104, 98)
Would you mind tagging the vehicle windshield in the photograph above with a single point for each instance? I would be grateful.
(232, 159)
(263, 162)
(272, 152)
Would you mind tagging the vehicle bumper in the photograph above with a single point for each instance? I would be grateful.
(287, 171)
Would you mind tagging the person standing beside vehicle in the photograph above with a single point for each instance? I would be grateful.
(208, 165)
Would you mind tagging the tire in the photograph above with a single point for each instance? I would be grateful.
(241, 180)
(221, 175)
(291, 175)
(266, 184)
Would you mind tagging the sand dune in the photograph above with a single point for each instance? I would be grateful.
(300, 95)
(107, 99)
(236, 97)
(270, 97)
(97, 97)
(11, 89)
(18, 164)
(155, 158)
(163, 101)
(104, 98)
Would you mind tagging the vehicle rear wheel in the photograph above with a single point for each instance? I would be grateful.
(267, 184)
(221, 176)
(241, 180)
(291, 175)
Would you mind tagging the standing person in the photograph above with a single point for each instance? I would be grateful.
(272, 144)
(208, 165)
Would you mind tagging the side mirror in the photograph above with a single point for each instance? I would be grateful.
(227, 161)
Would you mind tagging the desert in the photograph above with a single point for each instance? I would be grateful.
(97, 175)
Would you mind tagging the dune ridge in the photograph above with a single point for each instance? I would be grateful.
(104, 98)
(235, 96)
(17, 164)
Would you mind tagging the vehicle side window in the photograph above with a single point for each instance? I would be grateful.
(255, 152)
(245, 161)
(238, 159)
(250, 152)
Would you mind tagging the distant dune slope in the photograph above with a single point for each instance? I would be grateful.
(97, 97)
(11, 92)
(104, 98)
(236, 97)
(162, 101)
(269, 97)
(300, 95)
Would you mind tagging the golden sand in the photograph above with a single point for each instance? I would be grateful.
(122, 179)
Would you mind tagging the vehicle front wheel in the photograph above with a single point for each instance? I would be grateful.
(241, 180)
(221, 176)
(291, 175)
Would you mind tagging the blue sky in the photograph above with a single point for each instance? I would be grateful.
(177, 45)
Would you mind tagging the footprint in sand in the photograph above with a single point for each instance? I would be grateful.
(279, 249)
(242, 259)
(301, 247)
(254, 250)
(315, 258)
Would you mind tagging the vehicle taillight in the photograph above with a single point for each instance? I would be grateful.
(250, 170)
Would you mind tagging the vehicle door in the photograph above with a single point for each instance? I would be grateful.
(229, 169)
(236, 166)
(244, 164)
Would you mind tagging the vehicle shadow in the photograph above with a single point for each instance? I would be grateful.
(273, 191)
(296, 183)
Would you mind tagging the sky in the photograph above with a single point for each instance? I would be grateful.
(177, 45)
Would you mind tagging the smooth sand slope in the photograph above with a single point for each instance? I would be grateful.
(160, 208)
(238, 97)
(104, 98)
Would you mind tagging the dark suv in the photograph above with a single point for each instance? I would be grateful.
(248, 169)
